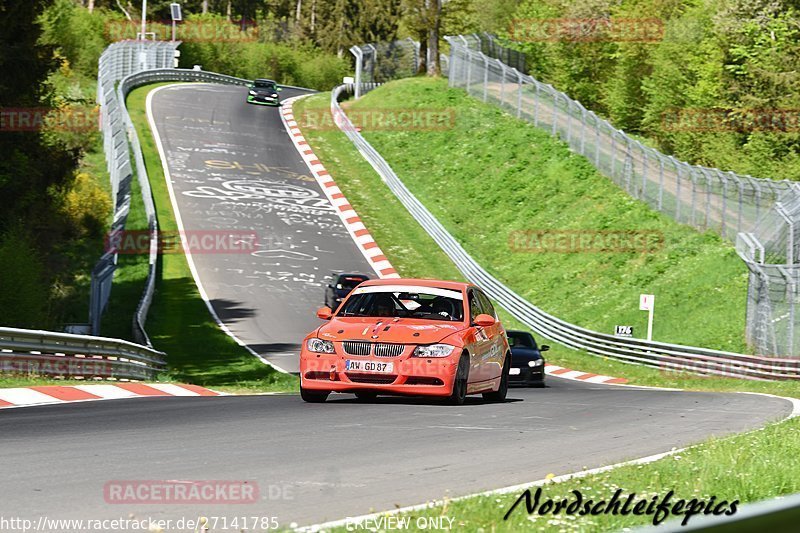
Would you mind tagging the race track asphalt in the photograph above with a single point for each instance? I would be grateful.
(235, 172)
(316, 462)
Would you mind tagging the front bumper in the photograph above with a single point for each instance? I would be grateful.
(410, 376)
(527, 376)
(262, 101)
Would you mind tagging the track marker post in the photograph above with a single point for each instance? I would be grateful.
(647, 302)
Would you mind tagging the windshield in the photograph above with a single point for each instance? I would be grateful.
(265, 84)
(347, 283)
(521, 339)
(405, 302)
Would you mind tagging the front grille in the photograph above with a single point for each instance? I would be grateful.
(357, 347)
(370, 378)
(389, 350)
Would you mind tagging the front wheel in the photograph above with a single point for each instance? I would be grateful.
(500, 394)
(313, 396)
(460, 382)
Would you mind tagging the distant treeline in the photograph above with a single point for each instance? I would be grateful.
(715, 82)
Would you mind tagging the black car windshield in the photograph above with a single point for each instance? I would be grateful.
(260, 84)
(348, 282)
(521, 339)
(427, 303)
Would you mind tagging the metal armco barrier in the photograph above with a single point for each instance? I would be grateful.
(770, 515)
(123, 67)
(669, 357)
(46, 353)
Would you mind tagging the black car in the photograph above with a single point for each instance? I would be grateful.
(263, 92)
(527, 363)
(340, 286)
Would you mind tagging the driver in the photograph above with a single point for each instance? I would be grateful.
(383, 305)
(443, 308)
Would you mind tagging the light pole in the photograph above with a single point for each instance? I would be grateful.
(144, 19)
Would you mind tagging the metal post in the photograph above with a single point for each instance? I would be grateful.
(583, 131)
(519, 95)
(485, 78)
(555, 113)
(359, 55)
(536, 104)
(660, 182)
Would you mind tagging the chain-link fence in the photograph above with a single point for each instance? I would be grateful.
(377, 63)
(761, 216)
(119, 60)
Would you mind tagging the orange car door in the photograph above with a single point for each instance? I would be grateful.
(495, 359)
(481, 343)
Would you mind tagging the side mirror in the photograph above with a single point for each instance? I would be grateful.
(324, 313)
(544, 348)
(484, 321)
(279, 89)
(250, 85)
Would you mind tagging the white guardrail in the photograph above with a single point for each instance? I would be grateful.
(47, 353)
(668, 357)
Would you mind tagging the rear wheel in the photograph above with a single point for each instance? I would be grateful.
(366, 396)
(500, 394)
(313, 396)
(459, 392)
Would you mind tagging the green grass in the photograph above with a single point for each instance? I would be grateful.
(415, 254)
(179, 322)
(750, 467)
(491, 175)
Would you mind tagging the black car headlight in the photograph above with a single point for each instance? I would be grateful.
(535, 363)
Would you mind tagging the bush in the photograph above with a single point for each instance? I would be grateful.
(23, 289)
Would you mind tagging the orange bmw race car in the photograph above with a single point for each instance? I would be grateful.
(410, 337)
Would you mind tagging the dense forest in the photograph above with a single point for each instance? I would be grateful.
(717, 83)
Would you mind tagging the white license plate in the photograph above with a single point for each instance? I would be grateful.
(514, 371)
(369, 366)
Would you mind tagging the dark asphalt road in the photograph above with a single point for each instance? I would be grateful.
(234, 169)
(342, 458)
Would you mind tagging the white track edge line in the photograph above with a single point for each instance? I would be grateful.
(179, 222)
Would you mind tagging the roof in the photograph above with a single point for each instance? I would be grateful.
(266, 80)
(452, 285)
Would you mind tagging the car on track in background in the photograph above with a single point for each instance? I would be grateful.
(340, 286)
(408, 337)
(263, 92)
(527, 362)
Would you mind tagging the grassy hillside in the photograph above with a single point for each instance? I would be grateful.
(491, 176)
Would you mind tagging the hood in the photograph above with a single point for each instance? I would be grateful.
(402, 331)
(525, 354)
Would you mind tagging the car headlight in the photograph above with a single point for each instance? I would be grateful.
(535, 362)
(434, 350)
(252, 93)
(319, 346)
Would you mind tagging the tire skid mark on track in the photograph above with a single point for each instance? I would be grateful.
(355, 227)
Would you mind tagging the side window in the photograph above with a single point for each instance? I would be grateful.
(486, 304)
(475, 307)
